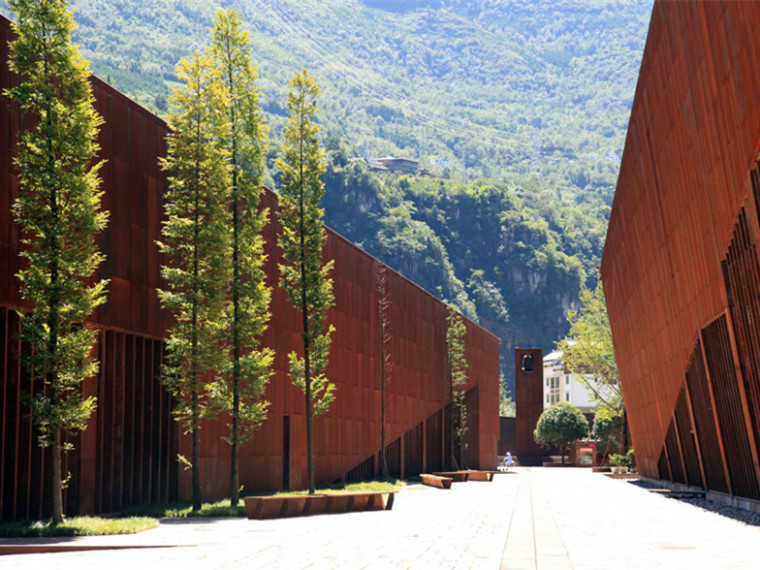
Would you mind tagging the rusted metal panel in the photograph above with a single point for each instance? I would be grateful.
(684, 178)
(674, 455)
(735, 438)
(687, 442)
(704, 420)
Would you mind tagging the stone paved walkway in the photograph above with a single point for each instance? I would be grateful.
(536, 519)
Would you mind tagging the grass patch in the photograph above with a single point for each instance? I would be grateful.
(223, 508)
(184, 509)
(363, 487)
(77, 526)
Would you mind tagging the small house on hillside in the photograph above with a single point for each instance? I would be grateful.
(395, 164)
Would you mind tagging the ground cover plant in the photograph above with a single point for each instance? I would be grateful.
(363, 487)
(184, 509)
(224, 508)
(77, 526)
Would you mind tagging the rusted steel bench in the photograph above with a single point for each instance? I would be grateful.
(436, 481)
(279, 506)
(457, 476)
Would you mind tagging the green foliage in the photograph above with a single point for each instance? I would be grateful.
(223, 508)
(455, 333)
(303, 276)
(516, 90)
(478, 246)
(361, 487)
(588, 351)
(619, 460)
(77, 526)
(561, 425)
(58, 214)
(507, 407)
(194, 241)
(607, 430)
(531, 92)
(245, 374)
(532, 95)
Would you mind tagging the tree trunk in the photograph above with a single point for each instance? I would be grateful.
(196, 454)
(234, 467)
(383, 460)
(452, 458)
(460, 439)
(56, 509)
(235, 474)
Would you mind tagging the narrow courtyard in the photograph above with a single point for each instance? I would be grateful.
(535, 519)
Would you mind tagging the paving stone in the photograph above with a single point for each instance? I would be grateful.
(540, 519)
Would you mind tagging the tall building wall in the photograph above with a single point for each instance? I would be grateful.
(529, 403)
(680, 266)
(127, 454)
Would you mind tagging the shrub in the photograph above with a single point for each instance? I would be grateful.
(561, 425)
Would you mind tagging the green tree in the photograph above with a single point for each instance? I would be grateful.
(608, 431)
(507, 408)
(588, 352)
(240, 390)
(455, 333)
(194, 240)
(561, 425)
(58, 213)
(303, 276)
(386, 362)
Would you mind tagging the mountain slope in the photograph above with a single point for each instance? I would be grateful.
(520, 106)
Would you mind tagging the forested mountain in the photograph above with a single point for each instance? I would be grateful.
(519, 106)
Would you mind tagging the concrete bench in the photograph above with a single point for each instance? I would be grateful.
(436, 481)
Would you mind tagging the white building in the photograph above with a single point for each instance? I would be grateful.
(561, 386)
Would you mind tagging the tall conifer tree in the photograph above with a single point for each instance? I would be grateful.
(304, 277)
(194, 242)
(58, 212)
(386, 362)
(241, 392)
(455, 333)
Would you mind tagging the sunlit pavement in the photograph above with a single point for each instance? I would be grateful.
(537, 518)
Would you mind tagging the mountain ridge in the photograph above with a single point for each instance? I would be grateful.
(519, 107)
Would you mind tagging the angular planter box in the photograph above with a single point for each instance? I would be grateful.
(279, 506)
(436, 481)
(480, 475)
(457, 476)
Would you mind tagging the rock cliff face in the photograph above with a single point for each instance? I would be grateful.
(475, 246)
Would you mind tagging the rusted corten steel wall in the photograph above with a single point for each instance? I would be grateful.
(349, 434)
(680, 266)
(127, 454)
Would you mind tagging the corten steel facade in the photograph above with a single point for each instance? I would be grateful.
(680, 268)
(127, 454)
(529, 404)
